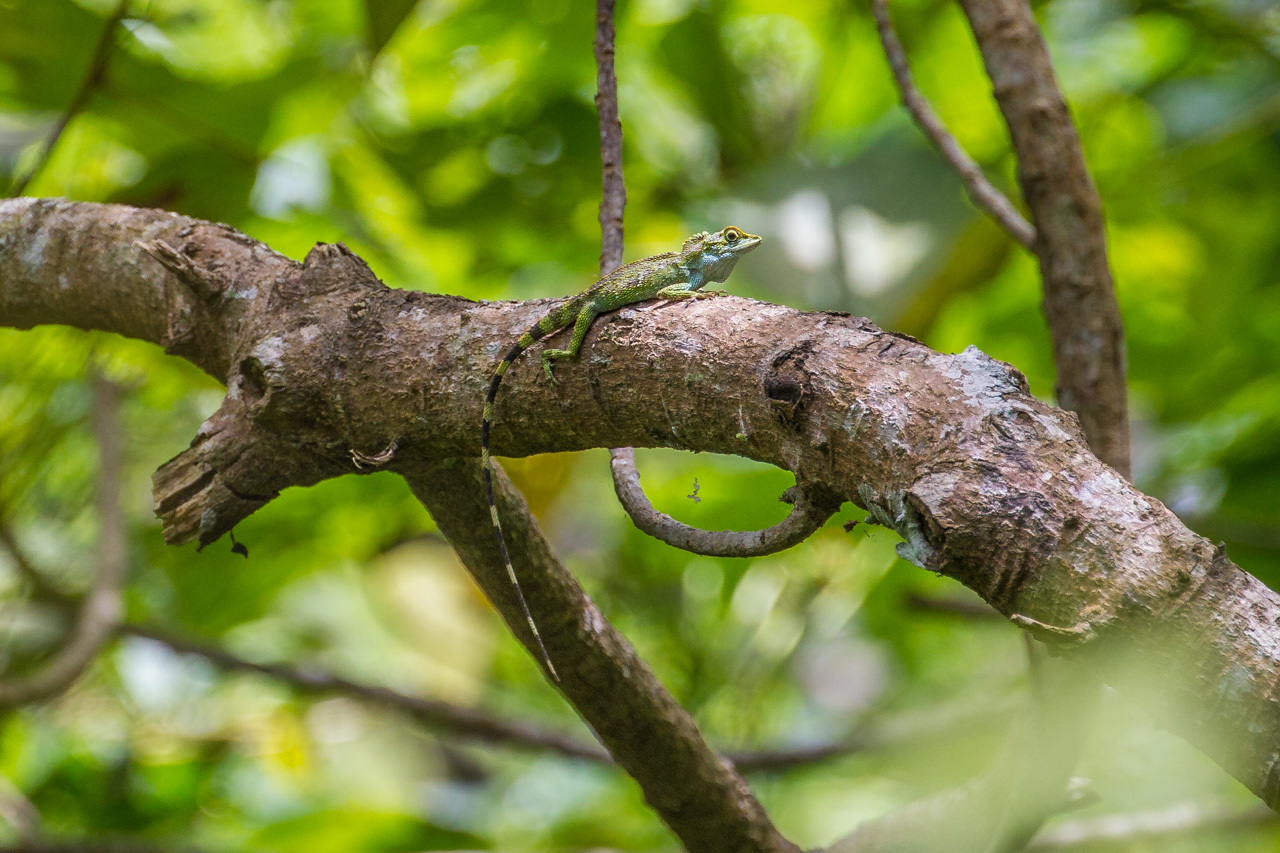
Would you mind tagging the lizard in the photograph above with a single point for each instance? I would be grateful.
(704, 258)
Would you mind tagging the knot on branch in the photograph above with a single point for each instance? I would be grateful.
(303, 391)
(787, 384)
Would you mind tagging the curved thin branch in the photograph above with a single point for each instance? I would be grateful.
(93, 78)
(101, 609)
(808, 514)
(981, 191)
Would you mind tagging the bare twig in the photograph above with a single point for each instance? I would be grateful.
(613, 198)
(981, 191)
(93, 78)
(466, 723)
(808, 514)
(472, 724)
(100, 611)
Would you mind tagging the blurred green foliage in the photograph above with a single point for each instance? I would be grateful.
(454, 145)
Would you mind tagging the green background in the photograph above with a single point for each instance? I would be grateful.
(454, 146)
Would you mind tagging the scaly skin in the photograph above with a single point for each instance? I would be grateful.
(704, 258)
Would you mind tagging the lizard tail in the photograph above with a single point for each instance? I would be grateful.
(545, 326)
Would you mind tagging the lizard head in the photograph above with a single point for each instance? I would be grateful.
(716, 254)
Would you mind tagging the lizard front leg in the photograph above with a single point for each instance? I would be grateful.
(685, 290)
(580, 327)
(691, 289)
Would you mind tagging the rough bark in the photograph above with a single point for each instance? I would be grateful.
(984, 482)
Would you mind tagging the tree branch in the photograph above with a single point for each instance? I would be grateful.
(808, 514)
(1079, 300)
(1069, 240)
(981, 191)
(93, 78)
(985, 483)
(101, 609)
(699, 795)
(613, 198)
(464, 723)
(472, 724)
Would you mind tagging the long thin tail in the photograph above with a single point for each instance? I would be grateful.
(545, 327)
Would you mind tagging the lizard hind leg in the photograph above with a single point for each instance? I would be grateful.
(580, 326)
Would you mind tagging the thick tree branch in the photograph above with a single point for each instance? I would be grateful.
(984, 195)
(100, 611)
(985, 483)
(1091, 381)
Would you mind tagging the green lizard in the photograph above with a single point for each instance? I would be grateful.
(672, 275)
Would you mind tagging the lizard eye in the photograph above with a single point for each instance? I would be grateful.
(731, 235)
